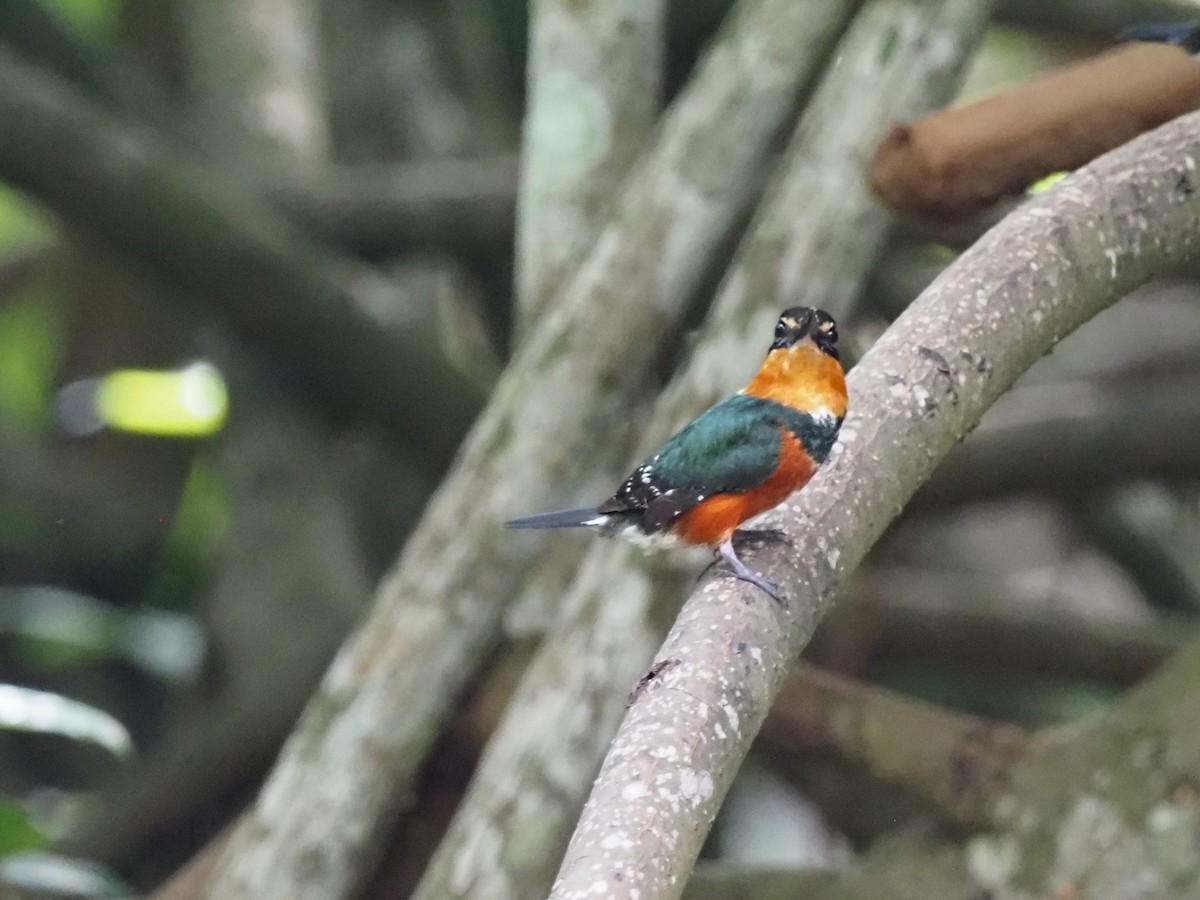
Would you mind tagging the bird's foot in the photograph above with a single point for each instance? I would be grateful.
(740, 570)
(762, 535)
(770, 588)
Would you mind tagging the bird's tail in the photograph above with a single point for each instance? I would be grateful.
(563, 518)
(1185, 34)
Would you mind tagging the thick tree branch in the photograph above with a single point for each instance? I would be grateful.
(1052, 449)
(176, 218)
(365, 734)
(463, 205)
(974, 624)
(254, 71)
(1105, 809)
(817, 237)
(535, 775)
(1129, 216)
(1100, 810)
(594, 78)
(952, 762)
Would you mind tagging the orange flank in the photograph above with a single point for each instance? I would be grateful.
(714, 519)
(802, 377)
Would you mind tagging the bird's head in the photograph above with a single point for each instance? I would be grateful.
(802, 323)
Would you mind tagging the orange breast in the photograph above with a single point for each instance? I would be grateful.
(714, 518)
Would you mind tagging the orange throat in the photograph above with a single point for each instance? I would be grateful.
(802, 377)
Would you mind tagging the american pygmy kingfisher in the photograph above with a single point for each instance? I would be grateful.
(738, 458)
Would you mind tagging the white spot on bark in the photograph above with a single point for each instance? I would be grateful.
(618, 840)
(574, 120)
(732, 715)
(635, 791)
(695, 786)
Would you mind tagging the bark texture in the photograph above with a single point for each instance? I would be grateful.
(593, 93)
(255, 74)
(1061, 258)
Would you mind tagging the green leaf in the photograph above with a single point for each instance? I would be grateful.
(22, 221)
(16, 832)
(92, 20)
(31, 339)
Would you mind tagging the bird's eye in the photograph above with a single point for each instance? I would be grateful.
(780, 329)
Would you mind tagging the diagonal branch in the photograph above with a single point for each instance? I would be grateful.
(1131, 215)
(39, 36)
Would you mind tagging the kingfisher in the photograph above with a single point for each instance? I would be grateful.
(738, 458)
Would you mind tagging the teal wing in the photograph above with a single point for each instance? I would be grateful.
(733, 446)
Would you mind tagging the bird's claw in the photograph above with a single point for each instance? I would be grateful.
(770, 588)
